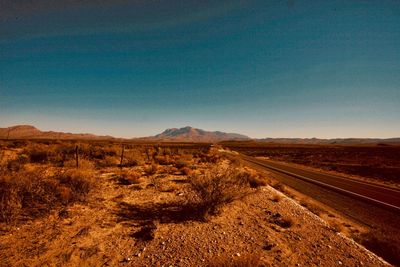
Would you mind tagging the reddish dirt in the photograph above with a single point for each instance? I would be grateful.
(139, 225)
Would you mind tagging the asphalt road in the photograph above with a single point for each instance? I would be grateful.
(372, 193)
(376, 207)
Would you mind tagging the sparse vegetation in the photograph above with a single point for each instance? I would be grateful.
(161, 195)
(276, 198)
(31, 194)
(218, 187)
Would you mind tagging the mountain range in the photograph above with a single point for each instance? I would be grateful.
(31, 132)
(185, 134)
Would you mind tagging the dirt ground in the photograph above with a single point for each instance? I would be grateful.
(142, 225)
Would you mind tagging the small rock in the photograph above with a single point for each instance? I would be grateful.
(340, 263)
(238, 254)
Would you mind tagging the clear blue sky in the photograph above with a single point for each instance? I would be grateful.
(262, 68)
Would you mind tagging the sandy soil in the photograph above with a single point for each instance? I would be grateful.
(141, 225)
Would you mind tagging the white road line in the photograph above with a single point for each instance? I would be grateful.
(328, 185)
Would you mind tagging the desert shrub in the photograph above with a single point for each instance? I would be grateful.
(216, 188)
(172, 170)
(79, 181)
(37, 155)
(280, 187)
(18, 163)
(26, 194)
(151, 169)
(181, 163)
(10, 201)
(252, 177)
(31, 194)
(108, 161)
(186, 171)
(84, 164)
(129, 177)
(276, 198)
(162, 160)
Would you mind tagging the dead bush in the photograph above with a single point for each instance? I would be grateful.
(216, 188)
(36, 155)
(129, 177)
(162, 160)
(181, 164)
(252, 177)
(108, 161)
(276, 198)
(151, 169)
(84, 164)
(132, 158)
(78, 180)
(186, 171)
(31, 194)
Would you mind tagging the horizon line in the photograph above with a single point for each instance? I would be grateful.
(251, 138)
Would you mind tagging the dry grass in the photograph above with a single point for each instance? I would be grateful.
(151, 169)
(186, 171)
(276, 198)
(128, 177)
(31, 194)
(216, 188)
(252, 177)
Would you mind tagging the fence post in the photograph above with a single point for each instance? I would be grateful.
(122, 156)
(76, 156)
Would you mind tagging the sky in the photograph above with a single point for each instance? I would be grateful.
(293, 68)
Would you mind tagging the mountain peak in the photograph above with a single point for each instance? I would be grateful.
(191, 134)
(23, 127)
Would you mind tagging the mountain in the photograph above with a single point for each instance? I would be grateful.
(190, 134)
(31, 132)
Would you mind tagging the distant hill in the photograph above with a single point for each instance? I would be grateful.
(31, 132)
(190, 134)
(335, 141)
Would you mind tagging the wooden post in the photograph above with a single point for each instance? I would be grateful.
(148, 154)
(122, 156)
(76, 156)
